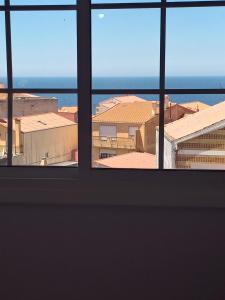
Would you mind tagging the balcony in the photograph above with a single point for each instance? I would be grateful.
(117, 142)
(16, 150)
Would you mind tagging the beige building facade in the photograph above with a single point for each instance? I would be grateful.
(130, 127)
(26, 104)
(48, 137)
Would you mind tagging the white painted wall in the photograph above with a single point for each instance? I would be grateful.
(169, 154)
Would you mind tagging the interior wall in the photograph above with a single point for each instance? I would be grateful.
(97, 252)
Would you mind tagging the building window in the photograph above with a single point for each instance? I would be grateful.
(132, 130)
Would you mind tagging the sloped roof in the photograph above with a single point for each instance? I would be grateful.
(196, 122)
(136, 112)
(43, 122)
(67, 115)
(132, 160)
(17, 95)
(195, 105)
(69, 109)
(121, 99)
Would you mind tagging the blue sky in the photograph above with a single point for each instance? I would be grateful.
(125, 42)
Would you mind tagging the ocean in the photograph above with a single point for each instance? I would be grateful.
(127, 83)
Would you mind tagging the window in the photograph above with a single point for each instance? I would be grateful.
(107, 131)
(147, 84)
(132, 131)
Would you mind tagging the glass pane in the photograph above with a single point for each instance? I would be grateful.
(3, 128)
(44, 58)
(123, 131)
(195, 50)
(125, 53)
(46, 130)
(42, 2)
(3, 66)
(197, 139)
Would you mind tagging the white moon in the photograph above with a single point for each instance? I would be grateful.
(101, 16)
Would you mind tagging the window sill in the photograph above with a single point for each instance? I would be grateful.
(172, 188)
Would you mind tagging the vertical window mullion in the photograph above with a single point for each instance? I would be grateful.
(9, 81)
(162, 83)
(84, 74)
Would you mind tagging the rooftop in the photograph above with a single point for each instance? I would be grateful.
(121, 99)
(196, 122)
(132, 160)
(69, 109)
(17, 96)
(136, 112)
(43, 122)
(195, 105)
(68, 115)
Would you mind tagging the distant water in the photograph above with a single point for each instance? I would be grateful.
(126, 83)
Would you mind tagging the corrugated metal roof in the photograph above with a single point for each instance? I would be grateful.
(136, 112)
(196, 122)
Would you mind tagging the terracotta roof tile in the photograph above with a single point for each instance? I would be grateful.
(136, 112)
(69, 109)
(132, 160)
(43, 122)
(195, 105)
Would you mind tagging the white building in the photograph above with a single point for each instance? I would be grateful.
(196, 141)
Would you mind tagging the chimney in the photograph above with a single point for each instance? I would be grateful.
(155, 108)
(166, 101)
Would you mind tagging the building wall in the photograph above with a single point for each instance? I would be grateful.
(56, 144)
(150, 133)
(172, 114)
(169, 154)
(204, 152)
(3, 138)
(30, 106)
(122, 132)
(122, 129)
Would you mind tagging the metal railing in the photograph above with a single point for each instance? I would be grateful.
(117, 142)
(16, 150)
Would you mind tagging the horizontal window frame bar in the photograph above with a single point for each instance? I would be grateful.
(72, 173)
(113, 91)
(64, 7)
(75, 191)
(100, 6)
(194, 91)
(124, 91)
(157, 91)
(140, 5)
(39, 91)
(171, 4)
